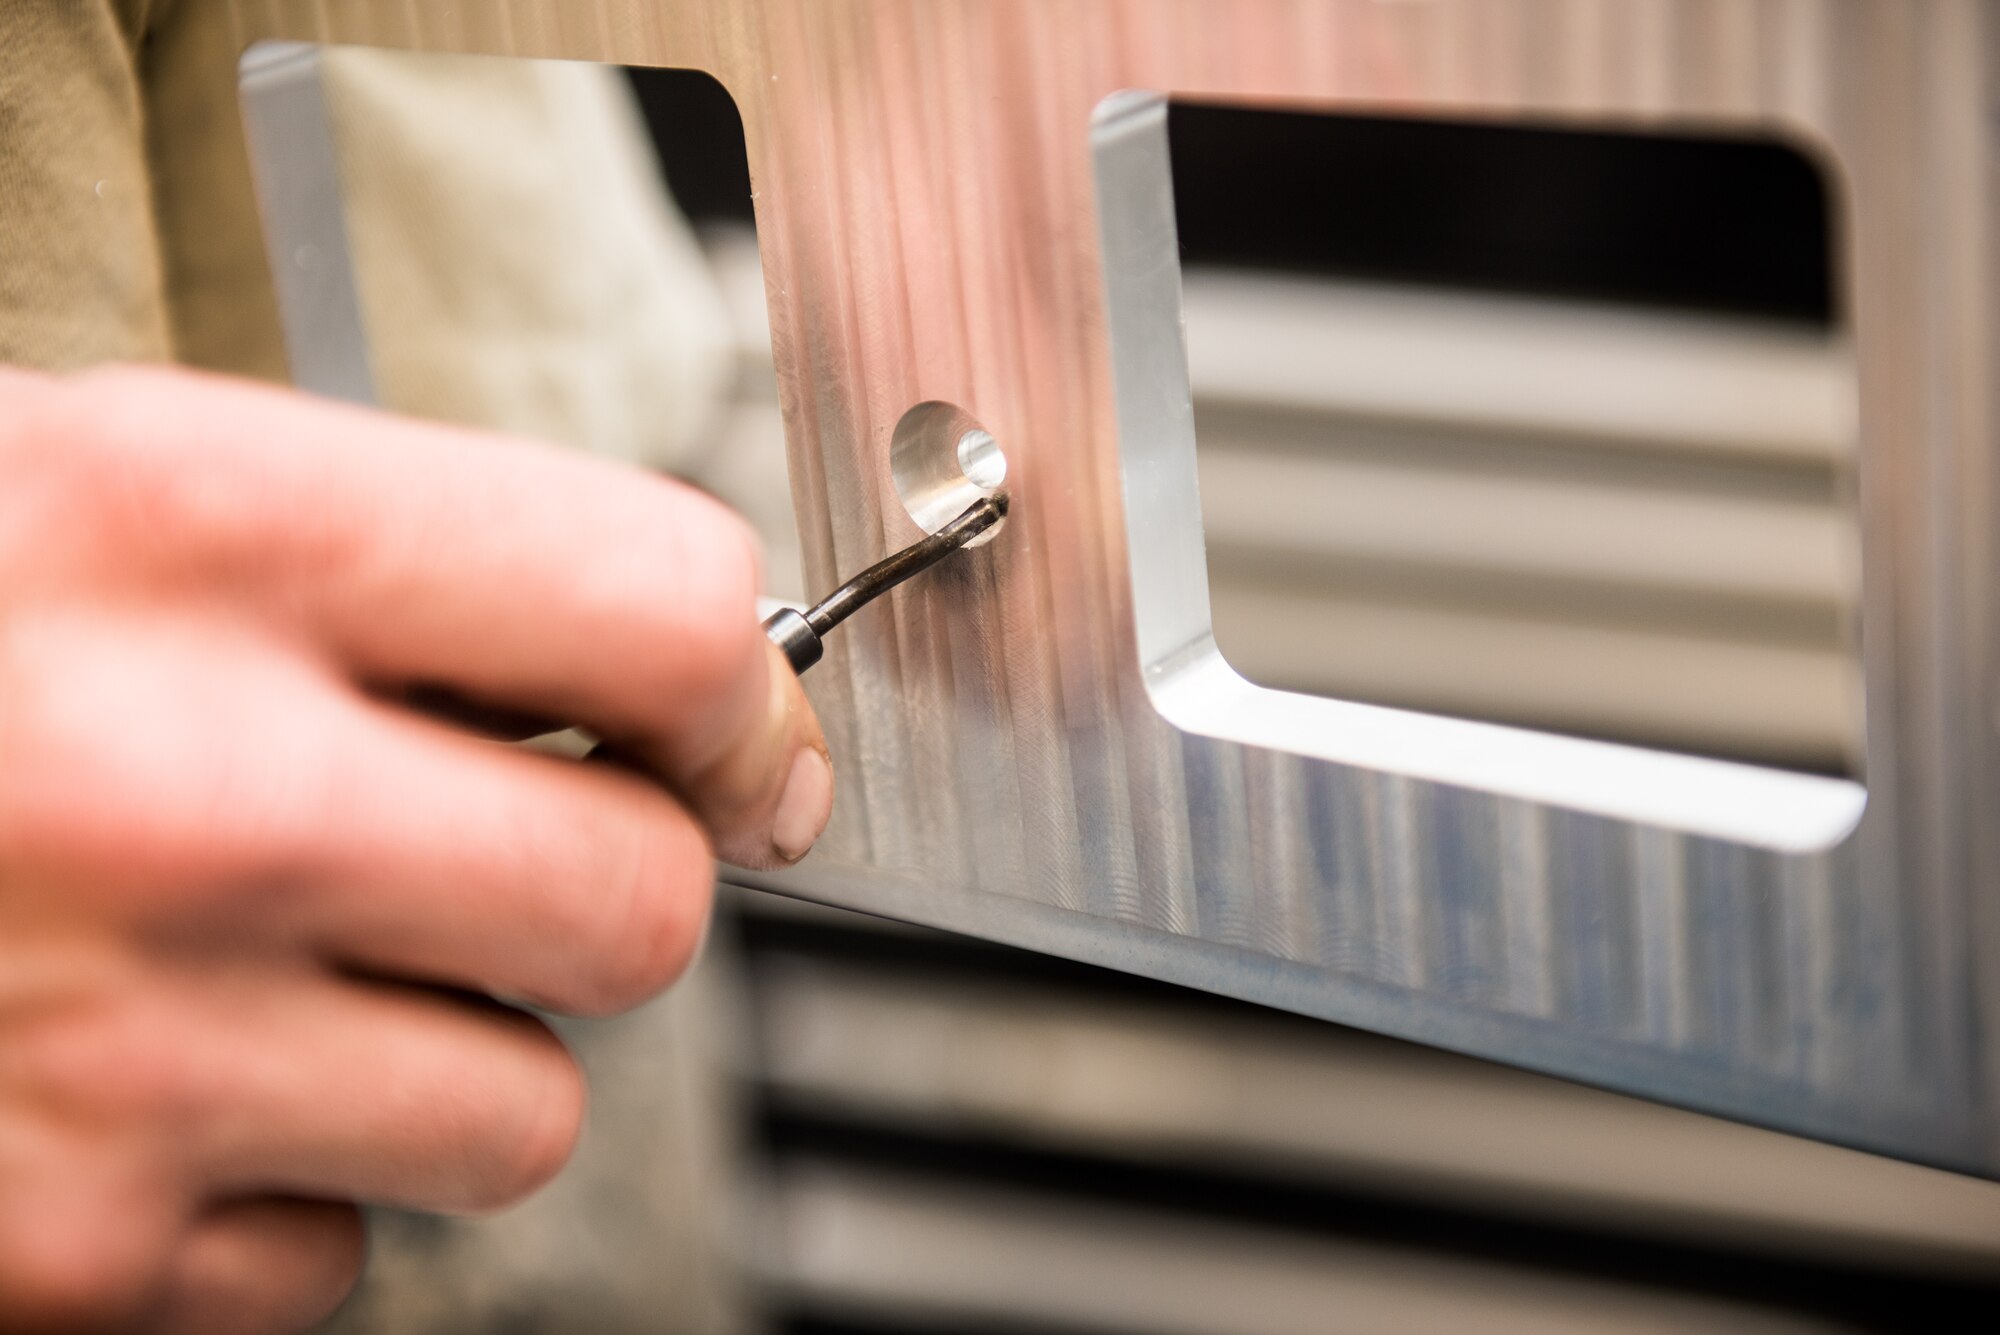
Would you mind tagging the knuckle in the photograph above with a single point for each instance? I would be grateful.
(52, 814)
(136, 405)
(130, 783)
(338, 1260)
(546, 1135)
(104, 415)
(29, 397)
(34, 451)
(715, 614)
(120, 474)
(108, 1065)
(661, 887)
(54, 1284)
(71, 1269)
(156, 486)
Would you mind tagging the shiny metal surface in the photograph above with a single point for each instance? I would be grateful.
(962, 203)
(312, 266)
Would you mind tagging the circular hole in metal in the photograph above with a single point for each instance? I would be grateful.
(942, 461)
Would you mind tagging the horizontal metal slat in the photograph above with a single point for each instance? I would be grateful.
(870, 1244)
(1779, 702)
(1334, 508)
(1050, 1066)
(1529, 366)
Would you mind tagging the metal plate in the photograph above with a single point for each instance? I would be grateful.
(965, 202)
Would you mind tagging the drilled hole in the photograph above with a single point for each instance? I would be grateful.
(943, 461)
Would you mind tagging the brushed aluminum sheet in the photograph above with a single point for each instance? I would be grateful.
(964, 201)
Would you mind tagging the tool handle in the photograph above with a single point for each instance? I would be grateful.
(798, 633)
(791, 632)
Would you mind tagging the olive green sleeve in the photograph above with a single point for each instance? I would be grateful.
(219, 300)
(80, 277)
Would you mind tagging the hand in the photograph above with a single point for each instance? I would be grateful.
(253, 909)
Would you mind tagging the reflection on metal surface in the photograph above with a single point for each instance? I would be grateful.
(1041, 746)
(1617, 522)
(291, 143)
(1198, 691)
(942, 462)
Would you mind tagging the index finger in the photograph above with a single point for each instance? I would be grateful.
(520, 575)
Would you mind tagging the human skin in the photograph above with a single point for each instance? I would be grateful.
(254, 907)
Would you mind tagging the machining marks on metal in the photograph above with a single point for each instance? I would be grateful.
(1040, 746)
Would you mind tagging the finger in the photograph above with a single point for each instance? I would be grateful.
(769, 793)
(250, 793)
(85, 1232)
(447, 859)
(347, 1090)
(263, 1266)
(526, 578)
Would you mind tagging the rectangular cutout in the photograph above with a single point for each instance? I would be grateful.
(1550, 427)
(620, 308)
